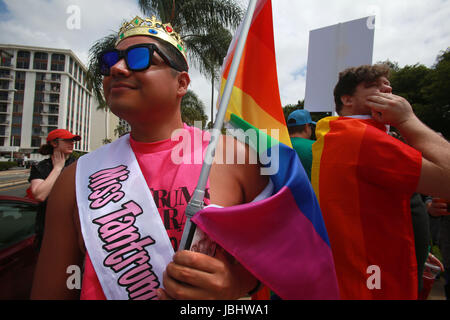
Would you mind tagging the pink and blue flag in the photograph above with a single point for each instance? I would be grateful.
(281, 240)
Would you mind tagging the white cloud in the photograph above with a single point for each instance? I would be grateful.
(408, 31)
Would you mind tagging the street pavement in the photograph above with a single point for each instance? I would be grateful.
(14, 182)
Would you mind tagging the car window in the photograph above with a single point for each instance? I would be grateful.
(17, 221)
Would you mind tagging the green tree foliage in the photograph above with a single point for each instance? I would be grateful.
(315, 116)
(289, 108)
(428, 91)
(120, 130)
(192, 109)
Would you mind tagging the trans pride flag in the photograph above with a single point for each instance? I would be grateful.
(281, 240)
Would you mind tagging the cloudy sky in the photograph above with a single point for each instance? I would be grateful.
(407, 31)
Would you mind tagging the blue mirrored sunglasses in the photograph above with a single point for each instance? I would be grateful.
(137, 58)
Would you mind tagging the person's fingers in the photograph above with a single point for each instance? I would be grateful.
(388, 96)
(439, 205)
(376, 104)
(188, 275)
(179, 290)
(162, 295)
(196, 260)
(223, 256)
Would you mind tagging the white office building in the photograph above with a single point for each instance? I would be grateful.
(41, 89)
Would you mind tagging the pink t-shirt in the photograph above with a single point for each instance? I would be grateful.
(170, 183)
(171, 169)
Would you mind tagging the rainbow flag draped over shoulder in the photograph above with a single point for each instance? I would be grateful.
(364, 180)
(282, 239)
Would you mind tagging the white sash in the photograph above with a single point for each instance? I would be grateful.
(122, 229)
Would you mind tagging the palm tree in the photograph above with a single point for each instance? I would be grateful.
(192, 109)
(203, 24)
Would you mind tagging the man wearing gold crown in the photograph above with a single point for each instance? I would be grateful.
(119, 212)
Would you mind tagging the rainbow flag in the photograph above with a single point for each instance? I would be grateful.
(282, 239)
(255, 95)
(364, 180)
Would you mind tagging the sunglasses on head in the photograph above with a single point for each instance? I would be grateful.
(137, 57)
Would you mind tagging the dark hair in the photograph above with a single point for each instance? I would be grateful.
(46, 149)
(350, 78)
(296, 129)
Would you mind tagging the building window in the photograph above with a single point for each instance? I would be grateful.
(53, 110)
(17, 119)
(5, 74)
(54, 98)
(20, 85)
(38, 108)
(40, 76)
(15, 140)
(55, 87)
(40, 61)
(37, 120)
(39, 97)
(4, 96)
(3, 107)
(23, 60)
(16, 131)
(35, 142)
(70, 66)
(53, 121)
(20, 82)
(40, 86)
(58, 62)
(4, 84)
(18, 107)
(20, 75)
(6, 58)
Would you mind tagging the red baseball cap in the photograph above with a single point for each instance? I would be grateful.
(62, 134)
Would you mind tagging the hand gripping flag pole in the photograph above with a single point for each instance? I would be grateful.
(196, 203)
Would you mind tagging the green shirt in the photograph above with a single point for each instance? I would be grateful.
(303, 147)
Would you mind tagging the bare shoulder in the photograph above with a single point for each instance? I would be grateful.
(60, 245)
(235, 174)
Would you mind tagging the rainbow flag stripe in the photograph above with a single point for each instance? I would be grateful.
(255, 95)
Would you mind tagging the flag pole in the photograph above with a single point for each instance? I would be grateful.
(196, 202)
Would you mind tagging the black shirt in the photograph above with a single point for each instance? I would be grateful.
(42, 171)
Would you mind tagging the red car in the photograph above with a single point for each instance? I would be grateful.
(18, 254)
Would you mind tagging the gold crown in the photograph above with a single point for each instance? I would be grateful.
(153, 28)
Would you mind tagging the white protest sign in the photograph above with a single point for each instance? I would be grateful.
(331, 50)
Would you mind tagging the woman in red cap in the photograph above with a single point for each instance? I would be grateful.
(43, 175)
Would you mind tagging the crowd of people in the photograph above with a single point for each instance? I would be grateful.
(364, 180)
